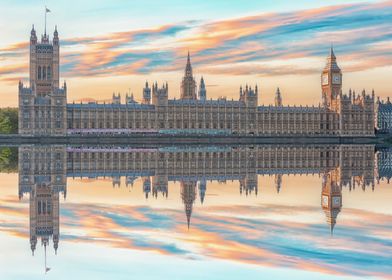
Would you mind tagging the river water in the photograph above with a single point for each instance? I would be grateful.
(195, 212)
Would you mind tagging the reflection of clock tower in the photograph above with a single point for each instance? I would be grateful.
(331, 197)
(331, 82)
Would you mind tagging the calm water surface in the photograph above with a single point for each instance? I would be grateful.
(195, 212)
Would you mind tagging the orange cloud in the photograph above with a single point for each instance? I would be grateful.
(261, 45)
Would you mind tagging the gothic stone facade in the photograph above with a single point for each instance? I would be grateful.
(384, 116)
(43, 109)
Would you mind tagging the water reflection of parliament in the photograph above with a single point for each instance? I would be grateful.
(43, 171)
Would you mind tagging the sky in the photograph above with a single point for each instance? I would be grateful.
(115, 46)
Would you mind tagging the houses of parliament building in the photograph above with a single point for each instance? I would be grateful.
(44, 111)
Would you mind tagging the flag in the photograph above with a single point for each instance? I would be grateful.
(47, 269)
(47, 10)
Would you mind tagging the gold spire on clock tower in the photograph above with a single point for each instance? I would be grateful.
(331, 82)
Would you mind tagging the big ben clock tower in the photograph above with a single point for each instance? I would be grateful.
(331, 82)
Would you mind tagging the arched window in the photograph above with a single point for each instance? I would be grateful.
(49, 207)
(39, 72)
(43, 73)
(49, 74)
(43, 207)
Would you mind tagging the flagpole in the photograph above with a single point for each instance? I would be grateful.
(45, 258)
(45, 20)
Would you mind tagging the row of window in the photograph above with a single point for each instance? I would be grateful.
(41, 125)
(44, 73)
(203, 115)
(44, 207)
(199, 125)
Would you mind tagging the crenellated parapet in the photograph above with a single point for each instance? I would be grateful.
(362, 99)
(24, 89)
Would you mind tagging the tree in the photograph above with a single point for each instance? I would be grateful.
(8, 159)
(8, 120)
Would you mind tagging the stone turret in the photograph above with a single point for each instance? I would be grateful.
(202, 90)
(160, 94)
(278, 98)
(116, 99)
(146, 94)
(249, 96)
(129, 99)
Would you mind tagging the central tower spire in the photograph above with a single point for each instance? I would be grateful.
(188, 68)
(188, 85)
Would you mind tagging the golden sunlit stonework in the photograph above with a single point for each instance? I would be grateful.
(43, 107)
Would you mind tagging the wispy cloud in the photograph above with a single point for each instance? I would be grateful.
(270, 44)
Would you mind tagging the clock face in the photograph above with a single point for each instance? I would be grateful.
(325, 201)
(336, 79)
(325, 79)
(336, 201)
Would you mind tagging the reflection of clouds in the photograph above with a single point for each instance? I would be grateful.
(13, 218)
(228, 46)
(266, 235)
(123, 227)
(248, 238)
